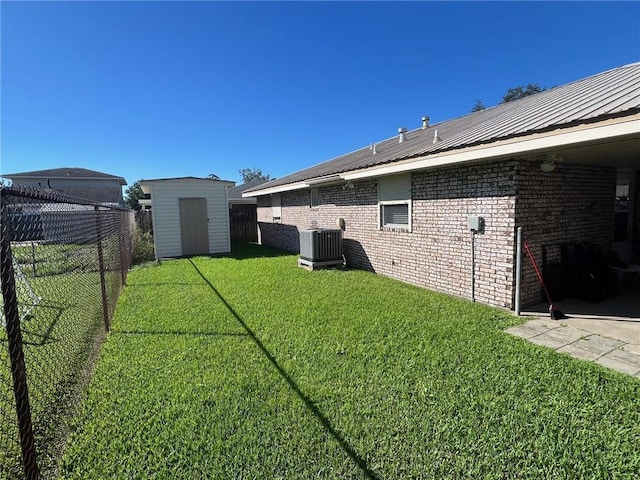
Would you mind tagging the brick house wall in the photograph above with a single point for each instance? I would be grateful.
(570, 203)
(635, 226)
(437, 252)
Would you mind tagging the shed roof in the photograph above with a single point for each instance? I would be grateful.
(65, 172)
(145, 185)
(611, 94)
(187, 178)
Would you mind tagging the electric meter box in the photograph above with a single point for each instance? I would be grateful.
(475, 223)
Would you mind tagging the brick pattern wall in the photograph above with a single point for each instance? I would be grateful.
(437, 252)
(635, 227)
(571, 203)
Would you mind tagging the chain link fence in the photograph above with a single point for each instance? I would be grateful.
(64, 262)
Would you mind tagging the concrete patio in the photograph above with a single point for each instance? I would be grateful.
(607, 333)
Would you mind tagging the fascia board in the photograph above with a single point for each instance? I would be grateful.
(280, 188)
(507, 149)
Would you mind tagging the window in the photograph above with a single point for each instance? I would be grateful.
(276, 208)
(394, 200)
(394, 214)
(314, 198)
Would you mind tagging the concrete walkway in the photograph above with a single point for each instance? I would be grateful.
(618, 349)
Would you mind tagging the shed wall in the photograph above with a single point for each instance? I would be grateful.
(166, 215)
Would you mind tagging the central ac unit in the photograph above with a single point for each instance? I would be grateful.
(321, 245)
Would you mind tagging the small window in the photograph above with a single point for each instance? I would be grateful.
(394, 200)
(394, 214)
(276, 208)
(314, 198)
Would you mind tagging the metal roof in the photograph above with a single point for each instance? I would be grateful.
(609, 94)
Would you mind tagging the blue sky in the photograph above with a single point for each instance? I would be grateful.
(170, 89)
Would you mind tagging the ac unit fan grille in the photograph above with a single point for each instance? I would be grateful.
(321, 245)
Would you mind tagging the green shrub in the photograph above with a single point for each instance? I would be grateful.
(142, 247)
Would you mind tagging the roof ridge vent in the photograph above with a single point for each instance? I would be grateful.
(403, 134)
(425, 123)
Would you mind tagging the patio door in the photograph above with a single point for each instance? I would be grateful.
(194, 226)
(625, 213)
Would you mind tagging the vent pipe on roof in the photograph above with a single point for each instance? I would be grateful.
(402, 137)
(425, 123)
(436, 138)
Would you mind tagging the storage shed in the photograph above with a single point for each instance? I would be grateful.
(190, 216)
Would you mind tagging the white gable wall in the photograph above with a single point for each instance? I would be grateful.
(166, 213)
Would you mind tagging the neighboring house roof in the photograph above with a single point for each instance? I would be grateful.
(65, 172)
(235, 193)
(608, 95)
(97, 194)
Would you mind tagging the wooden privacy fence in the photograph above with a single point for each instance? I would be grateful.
(144, 221)
(243, 224)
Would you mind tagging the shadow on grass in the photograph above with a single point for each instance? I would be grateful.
(239, 251)
(349, 450)
(30, 334)
(156, 284)
(242, 251)
(181, 332)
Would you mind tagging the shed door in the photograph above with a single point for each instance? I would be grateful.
(194, 229)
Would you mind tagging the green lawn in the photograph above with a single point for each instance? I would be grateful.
(250, 367)
(58, 336)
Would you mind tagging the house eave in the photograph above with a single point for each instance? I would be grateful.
(535, 143)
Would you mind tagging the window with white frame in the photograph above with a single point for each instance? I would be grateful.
(276, 208)
(314, 198)
(394, 202)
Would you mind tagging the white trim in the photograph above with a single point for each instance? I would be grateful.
(276, 208)
(317, 194)
(280, 188)
(397, 192)
(408, 227)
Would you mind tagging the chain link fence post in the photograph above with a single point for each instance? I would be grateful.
(103, 282)
(16, 354)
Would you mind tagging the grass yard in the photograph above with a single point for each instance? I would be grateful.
(250, 367)
(58, 335)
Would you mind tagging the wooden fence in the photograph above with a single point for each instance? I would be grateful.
(244, 225)
(143, 221)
